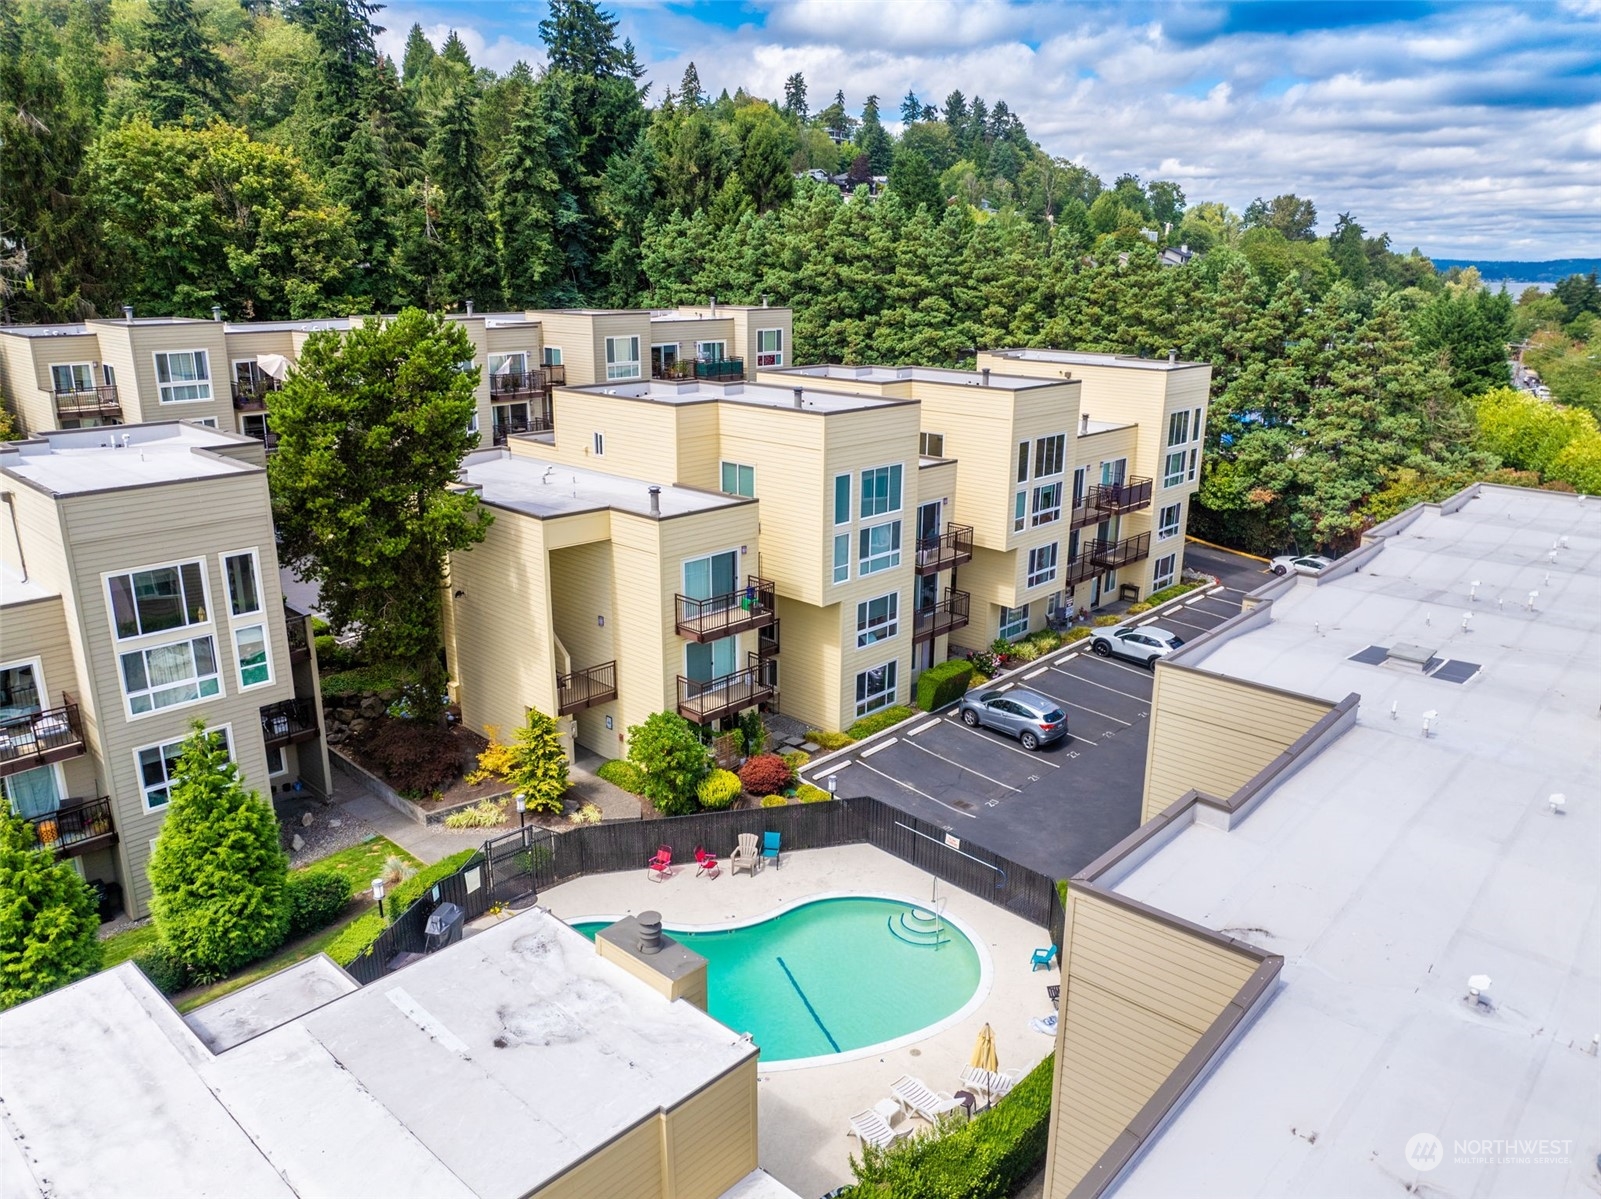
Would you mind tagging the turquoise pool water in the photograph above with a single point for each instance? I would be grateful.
(832, 975)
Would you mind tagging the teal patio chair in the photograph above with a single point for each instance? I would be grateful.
(1043, 957)
(770, 847)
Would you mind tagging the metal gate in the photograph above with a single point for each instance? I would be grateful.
(514, 860)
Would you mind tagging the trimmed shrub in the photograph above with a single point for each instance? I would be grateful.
(588, 814)
(1173, 592)
(986, 1157)
(488, 813)
(807, 793)
(165, 972)
(1136, 609)
(620, 772)
(943, 684)
(796, 758)
(415, 757)
(1026, 651)
(1105, 620)
(316, 897)
(1077, 634)
(364, 929)
(718, 789)
(765, 774)
(878, 721)
(671, 759)
(49, 921)
(828, 741)
(775, 801)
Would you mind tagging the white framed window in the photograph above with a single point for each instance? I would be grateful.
(1162, 572)
(512, 363)
(1195, 457)
(600, 445)
(842, 557)
(1042, 564)
(69, 377)
(1047, 504)
(209, 422)
(1019, 511)
(769, 347)
(1022, 462)
(1014, 622)
(1167, 522)
(1050, 456)
(242, 572)
(275, 761)
(472, 423)
(108, 374)
(157, 599)
(34, 793)
(1178, 428)
(711, 351)
(157, 764)
(551, 355)
(880, 548)
(739, 479)
(877, 619)
(167, 676)
(875, 688)
(183, 376)
(622, 358)
(1197, 424)
(881, 490)
(255, 662)
(842, 499)
(931, 445)
(1173, 469)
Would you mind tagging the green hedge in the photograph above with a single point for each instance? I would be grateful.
(807, 793)
(985, 1158)
(620, 772)
(316, 897)
(364, 929)
(828, 741)
(878, 721)
(377, 677)
(1167, 593)
(943, 684)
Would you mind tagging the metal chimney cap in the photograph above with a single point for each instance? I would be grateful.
(800, 393)
(650, 932)
(469, 304)
(216, 312)
(127, 313)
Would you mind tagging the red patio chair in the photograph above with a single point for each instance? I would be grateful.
(660, 866)
(706, 863)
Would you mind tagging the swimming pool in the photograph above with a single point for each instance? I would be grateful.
(833, 975)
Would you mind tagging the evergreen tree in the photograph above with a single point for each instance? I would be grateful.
(955, 113)
(419, 57)
(767, 144)
(48, 920)
(182, 76)
(689, 88)
(628, 199)
(334, 97)
(466, 236)
(218, 876)
(911, 179)
(795, 98)
(363, 182)
(528, 202)
(911, 108)
(874, 140)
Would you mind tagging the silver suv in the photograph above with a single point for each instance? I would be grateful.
(1032, 718)
(1145, 644)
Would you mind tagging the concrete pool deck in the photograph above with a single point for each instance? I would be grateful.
(804, 1113)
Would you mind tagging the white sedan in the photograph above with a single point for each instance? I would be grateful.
(1145, 644)
(1306, 564)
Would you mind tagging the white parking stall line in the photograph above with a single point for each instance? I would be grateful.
(969, 769)
(923, 728)
(1094, 712)
(882, 745)
(1141, 671)
(1006, 686)
(1016, 749)
(924, 794)
(1185, 624)
(1144, 699)
(1036, 673)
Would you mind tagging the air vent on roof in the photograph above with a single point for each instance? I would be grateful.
(1416, 659)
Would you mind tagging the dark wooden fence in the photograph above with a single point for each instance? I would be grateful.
(468, 889)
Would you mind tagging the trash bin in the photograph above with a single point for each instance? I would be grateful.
(444, 927)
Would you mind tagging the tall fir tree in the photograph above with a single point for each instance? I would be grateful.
(529, 204)
(466, 236)
(336, 92)
(182, 77)
(795, 98)
(418, 58)
(363, 181)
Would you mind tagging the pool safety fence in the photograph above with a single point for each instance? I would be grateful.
(406, 938)
(523, 862)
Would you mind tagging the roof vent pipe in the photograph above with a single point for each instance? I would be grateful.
(216, 312)
(764, 301)
(656, 510)
(469, 307)
(714, 305)
(986, 373)
(127, 313)
(799, 392)
(1083, 423)
(1172, 355)
(650, 932)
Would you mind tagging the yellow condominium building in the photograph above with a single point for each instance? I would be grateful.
(139, 593)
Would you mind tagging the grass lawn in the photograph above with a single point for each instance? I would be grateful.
(294, 951)
(363, 863)
(119, 947)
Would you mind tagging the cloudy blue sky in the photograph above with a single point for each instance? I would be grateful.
(1469, 130)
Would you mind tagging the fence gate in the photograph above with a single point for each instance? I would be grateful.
(513, 859)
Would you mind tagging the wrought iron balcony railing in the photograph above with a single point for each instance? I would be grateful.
(77, 826)
(949, 614)
(1109, 555)
(288, 721)
(585, 688)
(703, 701)
(38, 738)
(946, 550)
(80, 402)
(724, 615)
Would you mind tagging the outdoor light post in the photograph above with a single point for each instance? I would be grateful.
(378, 894)
(522, 810)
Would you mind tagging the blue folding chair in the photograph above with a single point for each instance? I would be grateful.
(1043, 957)
(770, 846)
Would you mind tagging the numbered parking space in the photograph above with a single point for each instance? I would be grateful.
(1055, 809)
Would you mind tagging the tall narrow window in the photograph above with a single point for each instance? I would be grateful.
(244, 596)
(255, 664)
(842, 557)
(1022, 462)
(842, 499)
(1167, 524)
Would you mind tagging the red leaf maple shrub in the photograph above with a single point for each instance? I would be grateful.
(415, 757)
(765, 774)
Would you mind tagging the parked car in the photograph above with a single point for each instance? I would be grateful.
(1302, 564)
(1145, 644)
(1032, 718)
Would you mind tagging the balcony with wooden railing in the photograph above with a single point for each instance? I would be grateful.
(251, 395)
(703, 701)
(289, 721)
(78, 826)
(30, 739)
(945, 550)
(722, 616)
(585, 688)
(949, 614)
(1106, 500)
(79, 402)
(706, 370)
(1109, 555)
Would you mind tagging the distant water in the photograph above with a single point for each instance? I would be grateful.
(1515, 288)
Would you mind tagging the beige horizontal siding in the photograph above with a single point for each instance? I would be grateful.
(630, 1167)
(710, 1138)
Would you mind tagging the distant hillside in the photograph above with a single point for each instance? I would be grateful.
(1549, 271)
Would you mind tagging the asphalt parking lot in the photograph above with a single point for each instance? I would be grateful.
(1057, 809)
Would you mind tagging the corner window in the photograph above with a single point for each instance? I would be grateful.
(159, 763)
(881, 491)
(158, 599)
(842, 557)
(1047, 504)
(875, 688)
(1050, 456)
(739, 480)
(165, 676)
(769, 347)
(1014, 622)
(842, 499)
(1162, 572)
(255, 663)
(622, 358)
(183, 376)
(880, 548)
(877, 619)
(1173, 469)
(1042, 564)
(1167, 523)
(931, 445)
(244, 596)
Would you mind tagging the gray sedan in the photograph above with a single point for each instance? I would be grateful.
(1032, 718)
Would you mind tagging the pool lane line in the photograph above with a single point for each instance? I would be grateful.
(818, 1020)
(915, 791)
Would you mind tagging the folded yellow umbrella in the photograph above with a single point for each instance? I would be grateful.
(984, 1051)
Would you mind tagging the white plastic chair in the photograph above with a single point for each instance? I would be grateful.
(870, 1128)
(914, 1095)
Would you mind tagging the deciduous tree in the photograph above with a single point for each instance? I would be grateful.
(670, 756)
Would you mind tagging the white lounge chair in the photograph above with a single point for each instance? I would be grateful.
(746, 856)
(993, 1085)
(914, 1095)
(870, 1128)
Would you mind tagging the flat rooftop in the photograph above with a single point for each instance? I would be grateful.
(14, 589)
(341, 323)
(44, 330)
(406, 1087)
(760, 395)
(112, 457)
(1395, 865)
(1084, 358)
(922, 374)
(543, 489)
